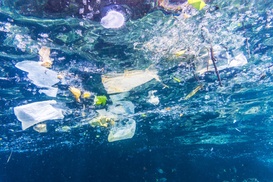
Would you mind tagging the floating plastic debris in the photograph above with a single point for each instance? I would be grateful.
(118, 97)
(40, 76)
(31, 114)
(51, 91)
(44, 53)
(76, 93)
(180, 53)
(63, 129)
(103, 119)
(117, 110)
(86, 95)
(192, 93)
(122, 130)
(41, 128)
(123, 82)
(122, 108)
(152, 98)
(176, 79)
(100, 100)
(197, 4)
(237, 61)
(253, 110)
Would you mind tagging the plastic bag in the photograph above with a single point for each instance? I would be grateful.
(224, 61)
(40, 76)
(122, 130)
(122, 107)
(31, 114)
(123, 82)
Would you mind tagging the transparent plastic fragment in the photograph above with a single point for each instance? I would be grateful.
(224, 61)
(152, 99)
(122, 107)
(118, 97)
(41, 128)
(31, 114)
(50, 91)
(122, 130)
(39, 75)
(123, 82)
(239, 60)
(103, 119)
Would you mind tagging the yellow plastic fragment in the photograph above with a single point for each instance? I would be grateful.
(102, 121)
(86, 95)
(76, 93)
(124, 82)
(44, 53)
(177, 79)
(179, 53)
(192, 93)
(197, 4)
(60, 76)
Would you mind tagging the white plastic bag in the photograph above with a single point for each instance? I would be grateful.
(31, 114)
(40, 76)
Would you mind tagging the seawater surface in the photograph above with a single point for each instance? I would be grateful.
(220, 133)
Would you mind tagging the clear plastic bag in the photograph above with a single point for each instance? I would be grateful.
(122, 130)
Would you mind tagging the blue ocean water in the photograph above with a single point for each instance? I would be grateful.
(219, 133)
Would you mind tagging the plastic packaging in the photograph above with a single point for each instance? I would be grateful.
(224, 61)
(123, 82)
(122, 130)
(121, 108)
(31, 114)
(40, 76)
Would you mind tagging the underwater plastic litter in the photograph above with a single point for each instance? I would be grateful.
(123, 82)
(40, 76)
(31, 114)
(238, 61)
(122, 131)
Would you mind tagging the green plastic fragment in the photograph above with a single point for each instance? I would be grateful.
(100, 100)
(197, 4)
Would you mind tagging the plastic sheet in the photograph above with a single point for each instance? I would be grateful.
(122, 131)
(40, 76)
(237, 61)
(123, 82)
(41, 128)
(122, 107)
(31, 114)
